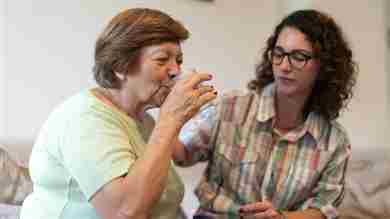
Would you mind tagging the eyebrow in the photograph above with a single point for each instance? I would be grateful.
(307, 52)
(167, 52)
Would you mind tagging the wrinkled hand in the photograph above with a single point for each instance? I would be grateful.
(260, 210)
(186, 98)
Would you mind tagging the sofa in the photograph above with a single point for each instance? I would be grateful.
(15, 182)
(367, 183)
(368, 186)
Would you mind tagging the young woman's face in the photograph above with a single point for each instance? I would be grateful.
(151, 78)
(294, 68)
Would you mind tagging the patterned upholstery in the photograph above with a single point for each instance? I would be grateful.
(15, 180)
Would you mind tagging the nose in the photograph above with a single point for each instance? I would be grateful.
(174, 69)
(285, 66)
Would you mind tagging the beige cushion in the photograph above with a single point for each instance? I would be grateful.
(367, 190)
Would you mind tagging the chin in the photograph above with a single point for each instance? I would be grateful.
(292, 91)
(287, 90)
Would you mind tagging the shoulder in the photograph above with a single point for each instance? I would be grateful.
(234, 105)
(338, 137)
(338, 128)
(235, 99)
(339, 132)
(329, 134)
(83, 111)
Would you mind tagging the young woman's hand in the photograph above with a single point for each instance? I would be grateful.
(260, 210)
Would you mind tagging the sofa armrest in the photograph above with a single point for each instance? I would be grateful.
(367, 190)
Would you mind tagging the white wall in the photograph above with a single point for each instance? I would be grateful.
(287, 6)
(51, 46)
(2, 67)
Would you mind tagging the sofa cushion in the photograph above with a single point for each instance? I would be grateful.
(367, 190)
(15, 180)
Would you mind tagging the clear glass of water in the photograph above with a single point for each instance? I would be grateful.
(184, 74)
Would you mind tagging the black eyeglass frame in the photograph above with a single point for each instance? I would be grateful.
(303, 53)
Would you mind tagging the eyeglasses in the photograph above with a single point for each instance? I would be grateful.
(297, 58)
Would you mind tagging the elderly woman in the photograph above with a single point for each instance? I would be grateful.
(98, 155)
(277, 151)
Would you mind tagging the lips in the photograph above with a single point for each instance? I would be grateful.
(286, 80)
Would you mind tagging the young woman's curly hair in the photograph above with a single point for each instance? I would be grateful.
(337, 73)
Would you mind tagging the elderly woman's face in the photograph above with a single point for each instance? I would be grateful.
(151, 77)
(295, 70)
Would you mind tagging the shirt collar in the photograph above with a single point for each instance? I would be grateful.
(266, 109)
(314, 123)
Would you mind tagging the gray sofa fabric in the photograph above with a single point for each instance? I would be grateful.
(367, 190)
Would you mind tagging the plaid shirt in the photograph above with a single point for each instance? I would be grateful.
(250, 161)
